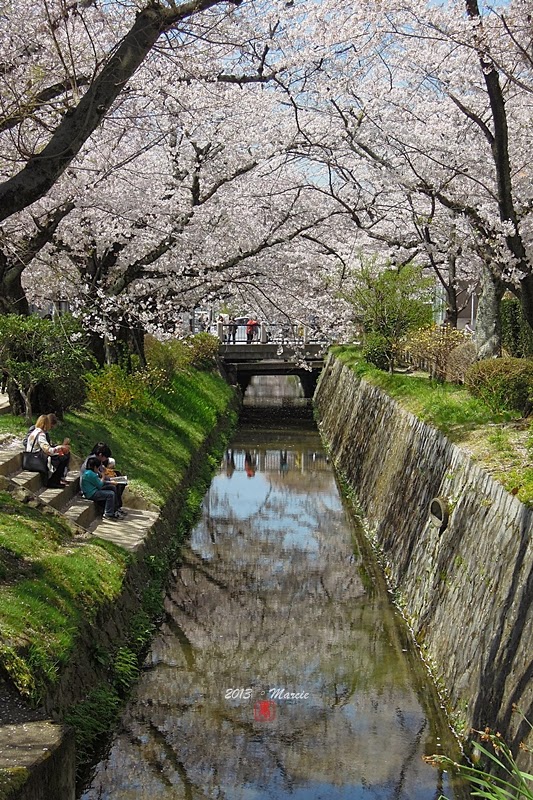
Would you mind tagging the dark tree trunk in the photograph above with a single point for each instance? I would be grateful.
(12, 295)
(97, 347)
(526, 299)
(128, 343)
(452, 313)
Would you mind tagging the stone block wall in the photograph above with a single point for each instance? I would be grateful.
(467, 590)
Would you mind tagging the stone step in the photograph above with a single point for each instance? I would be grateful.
(128, 533)
(82, 512)
(10, 462)
(60, 498)
(32, 481)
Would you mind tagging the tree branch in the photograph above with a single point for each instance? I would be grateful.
(43, 169)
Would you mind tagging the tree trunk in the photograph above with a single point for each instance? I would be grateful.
(129, 342)
(97, 347)
(488, 336)
(12, 295)
(450, 317)
(526, 299)
(26, 397)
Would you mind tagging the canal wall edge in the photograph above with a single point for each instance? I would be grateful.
(466, 589)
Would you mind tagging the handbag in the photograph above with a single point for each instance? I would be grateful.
(35, 460)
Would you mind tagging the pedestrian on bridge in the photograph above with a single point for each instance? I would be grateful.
(251, 330)
(232, 330)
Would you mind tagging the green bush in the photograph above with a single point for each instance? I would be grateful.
(45, 361)
(113, 390)
(168, 357)
(459, 361)
(204, 350)
(377, 350)
(504, 384)
(433, 345)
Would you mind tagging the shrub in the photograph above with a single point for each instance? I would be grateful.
(168, 357)
(499, 778)
(113, 390)
(433, 345)
(505, 384)
(45, 360)
(377, 350)
(204, 350)
(459, 361)
(199, 351)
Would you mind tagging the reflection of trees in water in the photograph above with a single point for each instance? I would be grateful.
(272, 502)
(264, 610)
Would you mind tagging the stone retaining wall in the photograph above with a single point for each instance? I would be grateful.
(467, 590)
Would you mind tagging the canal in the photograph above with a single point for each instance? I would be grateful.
(281, 668)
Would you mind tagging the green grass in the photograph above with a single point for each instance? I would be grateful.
(48, 584)
(51, 582)
(494, 773)
(153, 446)
(448, 407)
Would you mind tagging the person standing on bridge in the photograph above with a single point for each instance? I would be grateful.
(232, 330)
(251, 330)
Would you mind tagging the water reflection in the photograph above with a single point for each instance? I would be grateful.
(275, 391)
(273, 598)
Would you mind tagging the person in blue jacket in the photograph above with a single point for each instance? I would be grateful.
(94, 488)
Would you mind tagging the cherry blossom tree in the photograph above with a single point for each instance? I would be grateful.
(112, 70)
(422, 110)
(241, 135)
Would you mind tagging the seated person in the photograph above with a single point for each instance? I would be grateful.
(63, 459)
(94, 488)
(102, 451)
(38, 439)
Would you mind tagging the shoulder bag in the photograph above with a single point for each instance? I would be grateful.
(35, 460)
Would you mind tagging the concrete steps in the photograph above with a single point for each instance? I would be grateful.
(128, 533)
(10, 462)
(32, 481)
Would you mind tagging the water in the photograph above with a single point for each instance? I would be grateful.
(277, 594)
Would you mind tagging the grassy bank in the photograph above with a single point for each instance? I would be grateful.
(50, 581)
(500, 443)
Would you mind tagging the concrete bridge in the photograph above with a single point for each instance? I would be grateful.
(243, 361)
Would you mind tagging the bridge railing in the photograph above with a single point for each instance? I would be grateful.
(268, 332)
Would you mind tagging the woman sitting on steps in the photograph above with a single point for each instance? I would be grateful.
(38, 440)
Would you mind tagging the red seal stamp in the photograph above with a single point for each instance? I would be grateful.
(264, 711)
